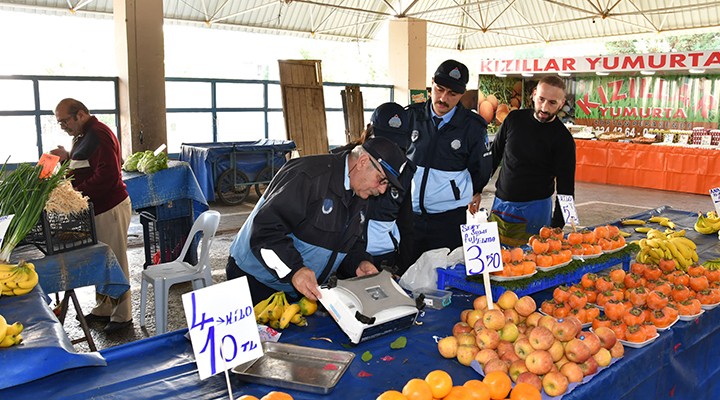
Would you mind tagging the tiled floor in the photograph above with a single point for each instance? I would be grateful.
(596, 204)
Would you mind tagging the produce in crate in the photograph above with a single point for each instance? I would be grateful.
(24, 194)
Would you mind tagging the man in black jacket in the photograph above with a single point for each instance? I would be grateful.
(450, 147)
(311, 218)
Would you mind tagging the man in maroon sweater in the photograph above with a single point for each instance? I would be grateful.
(95, 162)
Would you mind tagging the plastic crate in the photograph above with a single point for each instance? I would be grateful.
(58, 233)
(454, 277)
(165, 230)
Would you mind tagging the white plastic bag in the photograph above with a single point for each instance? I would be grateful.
(422, 273)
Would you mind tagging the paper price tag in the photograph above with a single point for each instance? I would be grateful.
(715, 195)
(668, 138)
(223, 333)
(481, 245)
(567, 205)
(4, 224)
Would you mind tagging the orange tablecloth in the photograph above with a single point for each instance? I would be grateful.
(677, 169)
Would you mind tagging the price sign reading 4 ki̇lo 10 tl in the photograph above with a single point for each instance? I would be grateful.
(481, 246)
(223, 333)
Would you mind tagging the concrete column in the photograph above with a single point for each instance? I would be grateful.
(407, 46)
(140, 54)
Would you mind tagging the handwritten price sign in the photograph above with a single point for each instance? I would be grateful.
(223, 333)
(482, 248)
(567, 205)
(715, 195)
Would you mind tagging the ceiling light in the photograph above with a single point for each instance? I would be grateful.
(602, 73)
(696, 71)
(500, 75)
(648, 73)
(564, 74)
(527, 74)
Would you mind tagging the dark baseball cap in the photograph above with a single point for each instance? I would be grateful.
(388, 155)
(390, 120)
(453, 75)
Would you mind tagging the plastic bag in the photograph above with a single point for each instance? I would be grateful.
(422, 273)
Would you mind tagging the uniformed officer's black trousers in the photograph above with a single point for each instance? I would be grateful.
(434, 231)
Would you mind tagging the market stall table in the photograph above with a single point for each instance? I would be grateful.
(680, 364)
(674, 168)
(85, 266)
(174, 183)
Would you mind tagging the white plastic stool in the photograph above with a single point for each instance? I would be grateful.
(164, 275)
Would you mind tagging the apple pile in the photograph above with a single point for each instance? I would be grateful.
(538, 349)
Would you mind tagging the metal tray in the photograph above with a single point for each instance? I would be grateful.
(296, 367)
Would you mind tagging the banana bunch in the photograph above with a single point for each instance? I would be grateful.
(17, 280)
(669, 245)
(10, 334)
(278, 313)
(708, 224)
(712, 265)
(664, 221)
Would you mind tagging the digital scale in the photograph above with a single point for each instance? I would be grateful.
(369, 306)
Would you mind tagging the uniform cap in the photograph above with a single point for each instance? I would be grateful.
(453, 75)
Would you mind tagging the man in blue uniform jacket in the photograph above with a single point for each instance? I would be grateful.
(311, 218)
(450, 147)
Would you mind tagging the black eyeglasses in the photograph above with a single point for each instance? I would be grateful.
(64, 121)
(384, 180)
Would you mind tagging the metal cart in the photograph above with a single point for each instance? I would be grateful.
(230, 169)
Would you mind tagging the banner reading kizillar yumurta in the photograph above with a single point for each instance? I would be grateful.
(626, 102)
(634, 105)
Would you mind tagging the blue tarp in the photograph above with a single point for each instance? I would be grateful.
(46, 348)
(680, 364)
(174, 183)
(92, 265)
(209, 160)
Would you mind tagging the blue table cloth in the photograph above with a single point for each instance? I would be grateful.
(46, 348)
(92, 265)
(174, 183)
(209, 160)
(680, 364)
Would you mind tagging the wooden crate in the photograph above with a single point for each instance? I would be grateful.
(304, 105)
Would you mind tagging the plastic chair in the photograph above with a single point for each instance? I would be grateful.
(164, 275)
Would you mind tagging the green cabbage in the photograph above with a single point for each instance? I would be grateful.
(150, 163)
(132, 161)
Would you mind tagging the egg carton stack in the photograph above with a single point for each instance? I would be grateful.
(715, 137)
(697, 134)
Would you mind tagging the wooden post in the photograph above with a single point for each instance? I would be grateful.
(353, 112)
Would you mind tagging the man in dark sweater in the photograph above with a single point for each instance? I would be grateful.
(95, 162)
(538, 156)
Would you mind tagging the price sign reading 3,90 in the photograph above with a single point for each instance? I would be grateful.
(481, 246)
(223, 333)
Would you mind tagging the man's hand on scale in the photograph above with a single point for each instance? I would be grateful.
(305, 282)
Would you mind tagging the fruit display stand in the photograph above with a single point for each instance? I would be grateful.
(455, 277)
(680, 364)
(678, 169)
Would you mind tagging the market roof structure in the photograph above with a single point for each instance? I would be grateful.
(452, 24)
